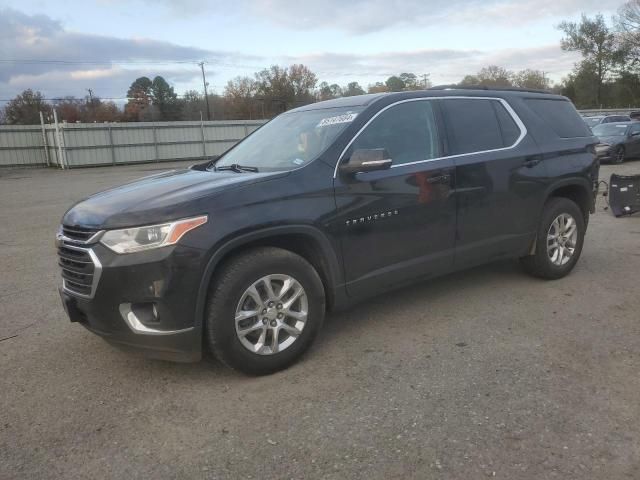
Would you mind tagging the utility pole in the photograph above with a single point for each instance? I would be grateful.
(424, 80)
(206, 95)
(91, 102)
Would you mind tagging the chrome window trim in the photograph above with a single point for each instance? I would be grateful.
(505, 104)
(97, 272)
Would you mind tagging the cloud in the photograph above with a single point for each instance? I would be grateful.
(99, 62)
(366, 16)
(443, 65)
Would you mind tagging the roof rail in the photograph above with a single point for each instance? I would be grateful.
(484, 87)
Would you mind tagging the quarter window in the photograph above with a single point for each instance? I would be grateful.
(407, 131)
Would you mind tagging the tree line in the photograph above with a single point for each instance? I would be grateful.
(267, 93)
(607, 76)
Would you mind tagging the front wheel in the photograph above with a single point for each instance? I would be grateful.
(265, 308)
(559, 240)
(620, 155)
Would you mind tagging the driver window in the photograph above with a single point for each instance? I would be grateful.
(407, 131)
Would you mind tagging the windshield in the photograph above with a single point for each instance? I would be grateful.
(610, 130)
(290, 140)
(592, 121)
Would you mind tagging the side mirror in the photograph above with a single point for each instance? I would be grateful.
(367, 160)
(634, 134)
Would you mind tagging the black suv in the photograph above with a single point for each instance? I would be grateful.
(321, 207)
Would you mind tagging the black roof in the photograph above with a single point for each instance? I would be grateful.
(444, 91)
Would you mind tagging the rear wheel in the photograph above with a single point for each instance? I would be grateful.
(559, 240)
(265, 308)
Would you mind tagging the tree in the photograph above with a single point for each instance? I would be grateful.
(410, 81)
(139, 95)
(239, 94)
(378, 87)
(352, 89)
(628, 24)
(165, 99)
(600, 47)
(469, 81)
(495, 76)
(69, 109)
(528, 78)
(327, 92)
(303, 81)
(395, 84)
(581, 85)
(25, 108)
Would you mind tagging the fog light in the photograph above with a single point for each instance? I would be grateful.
(146, 313)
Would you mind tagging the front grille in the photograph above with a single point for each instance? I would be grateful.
(80, 269)
(78, 234)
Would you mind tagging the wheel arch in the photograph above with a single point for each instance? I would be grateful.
(305, 240)
(579, 190)
(576, 189)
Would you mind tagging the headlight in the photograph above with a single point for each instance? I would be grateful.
(135, 239)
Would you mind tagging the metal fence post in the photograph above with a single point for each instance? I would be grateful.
(45, 143)
(204, 142)
(155, 142)
(246, 130)
(113, 149)
(59, 140)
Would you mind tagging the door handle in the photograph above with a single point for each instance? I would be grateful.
(532, 161)
(439, 179)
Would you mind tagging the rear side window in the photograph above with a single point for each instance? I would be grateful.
(561, 116)
(407, 131)
(473, 125)
(510, 130)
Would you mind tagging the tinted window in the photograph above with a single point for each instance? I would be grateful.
(291, 139)
(472, 125)
(508, 126)
(610, 130)
(408, 132)
(561, 116)
(635, 128)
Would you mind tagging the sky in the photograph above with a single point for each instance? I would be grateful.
(63, 48)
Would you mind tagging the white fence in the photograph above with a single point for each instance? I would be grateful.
(92, 144)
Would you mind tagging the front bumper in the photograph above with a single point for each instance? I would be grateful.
(605, 155)
(164, 281)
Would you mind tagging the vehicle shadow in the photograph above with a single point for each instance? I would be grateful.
(448, 290)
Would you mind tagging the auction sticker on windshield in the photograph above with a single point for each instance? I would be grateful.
(344, 118)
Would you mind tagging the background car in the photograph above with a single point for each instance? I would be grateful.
(600, 119)
(618, 141)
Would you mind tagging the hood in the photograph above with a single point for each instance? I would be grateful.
(158, 198)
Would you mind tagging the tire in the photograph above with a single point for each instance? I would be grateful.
(258, 267)
(620, 155)
(547, 262)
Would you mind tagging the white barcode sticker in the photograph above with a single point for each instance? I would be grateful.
(344, 118)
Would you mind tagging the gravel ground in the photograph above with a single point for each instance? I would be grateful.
(486, 373)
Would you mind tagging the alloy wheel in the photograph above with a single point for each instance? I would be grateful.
(562, 238)
(271, 314)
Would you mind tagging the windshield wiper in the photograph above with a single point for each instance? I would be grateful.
(234, 167)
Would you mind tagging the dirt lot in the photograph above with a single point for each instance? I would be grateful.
(486, 373)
